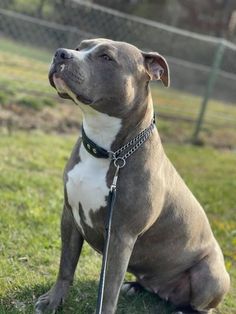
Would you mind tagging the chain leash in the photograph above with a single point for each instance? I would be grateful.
(120, 161)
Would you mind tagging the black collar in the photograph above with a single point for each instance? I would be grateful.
(95, 150)
(92, 148)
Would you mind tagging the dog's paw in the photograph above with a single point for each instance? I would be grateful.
(47, 302)
(53, 299)
(131, 288)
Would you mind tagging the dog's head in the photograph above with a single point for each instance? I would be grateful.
(106, 74)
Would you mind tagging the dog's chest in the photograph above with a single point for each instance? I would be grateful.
(87, 188)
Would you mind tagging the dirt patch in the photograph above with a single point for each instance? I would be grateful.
(62, 118)
(66, 118)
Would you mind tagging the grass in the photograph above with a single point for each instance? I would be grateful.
(24, 50)
(31, 202)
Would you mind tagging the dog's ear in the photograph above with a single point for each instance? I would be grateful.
(157, 67)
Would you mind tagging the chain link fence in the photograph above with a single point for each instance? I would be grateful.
(64, 23)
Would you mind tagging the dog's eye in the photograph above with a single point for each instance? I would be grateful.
(77, 49)
(106, 57)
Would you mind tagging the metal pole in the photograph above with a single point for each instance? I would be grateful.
(208, 91)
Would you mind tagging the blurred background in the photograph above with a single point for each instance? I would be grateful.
(198, 39)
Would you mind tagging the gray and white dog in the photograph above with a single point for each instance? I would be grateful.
(160, 233)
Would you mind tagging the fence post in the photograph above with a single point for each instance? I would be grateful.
(208, 91)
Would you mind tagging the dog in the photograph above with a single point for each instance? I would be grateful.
(160, 233)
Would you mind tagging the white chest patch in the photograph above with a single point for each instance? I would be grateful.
(86, 185)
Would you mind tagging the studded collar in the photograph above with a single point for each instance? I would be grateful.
(92, 148)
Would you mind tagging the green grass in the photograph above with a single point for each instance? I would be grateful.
(24, 50)
(30, 206)
(25, 79)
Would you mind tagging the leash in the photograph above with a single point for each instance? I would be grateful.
(119, 163)
(111, 203)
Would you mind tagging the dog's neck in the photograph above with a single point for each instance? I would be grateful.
(138, 119)
(111, 132)
(101, 128)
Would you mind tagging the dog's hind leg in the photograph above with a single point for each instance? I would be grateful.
(209, 282)
(72, 242)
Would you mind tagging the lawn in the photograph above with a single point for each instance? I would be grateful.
(31, 202)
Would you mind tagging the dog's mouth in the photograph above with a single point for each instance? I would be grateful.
(57, 81)
(60, 78)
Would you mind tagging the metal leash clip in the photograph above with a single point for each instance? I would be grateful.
(119, 163)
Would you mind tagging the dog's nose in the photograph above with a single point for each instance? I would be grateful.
(62, 54)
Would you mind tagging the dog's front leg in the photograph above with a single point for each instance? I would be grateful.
(120, 249)
(72, 242)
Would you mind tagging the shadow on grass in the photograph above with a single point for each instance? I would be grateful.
(81, 300)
